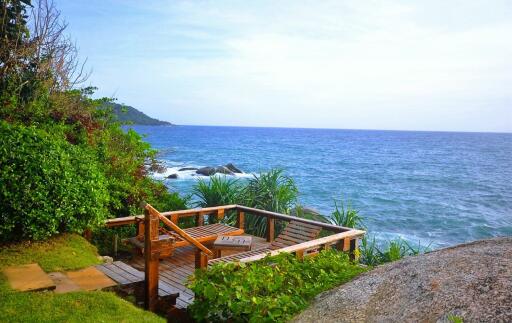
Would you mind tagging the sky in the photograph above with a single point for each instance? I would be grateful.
(403, 65)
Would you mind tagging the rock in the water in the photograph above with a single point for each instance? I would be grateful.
(233, 168)
(472, 281)
(173, 176)
(209, 171)
(187, 168)
(223, 170)
(206, 171)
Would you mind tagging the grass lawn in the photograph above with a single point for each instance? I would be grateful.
(64, 252)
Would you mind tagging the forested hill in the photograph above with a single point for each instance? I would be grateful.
(125, 113)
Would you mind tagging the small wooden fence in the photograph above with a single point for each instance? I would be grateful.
(343, 238)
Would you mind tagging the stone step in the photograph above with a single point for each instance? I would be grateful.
(90, 279)
(29, 277)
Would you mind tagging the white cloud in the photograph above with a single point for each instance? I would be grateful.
(347, 64)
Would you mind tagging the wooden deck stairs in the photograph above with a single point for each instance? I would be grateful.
(128, 277)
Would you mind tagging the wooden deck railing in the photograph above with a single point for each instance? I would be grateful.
(174, 216)
(343, 238)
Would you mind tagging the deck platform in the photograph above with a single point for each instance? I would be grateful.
(175, 270)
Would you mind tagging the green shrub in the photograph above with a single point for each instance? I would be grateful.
(272, 289)
(47, 185)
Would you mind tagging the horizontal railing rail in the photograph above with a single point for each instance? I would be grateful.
(288, 218)
(175, 215)
(170, 214)
(341, 240)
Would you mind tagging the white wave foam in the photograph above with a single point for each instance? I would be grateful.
(175, 167)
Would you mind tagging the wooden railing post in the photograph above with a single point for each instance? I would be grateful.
(220, 215)
(240, 219)
(270, 229)
(352, 249)
(151, 224)
(201, 259)
(199, 219)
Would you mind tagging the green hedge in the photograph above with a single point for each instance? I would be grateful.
(272, 289)
(47, 185)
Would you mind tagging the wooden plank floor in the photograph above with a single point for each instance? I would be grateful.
(176, 269)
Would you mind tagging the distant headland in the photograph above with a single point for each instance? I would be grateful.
(124, 113)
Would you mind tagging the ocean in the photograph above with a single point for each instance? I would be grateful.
(437, 188)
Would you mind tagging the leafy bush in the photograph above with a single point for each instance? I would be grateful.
(270, 290)
(47, 185)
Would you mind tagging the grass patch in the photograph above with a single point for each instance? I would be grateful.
(64, 252)
(60, 253)
(71, 307)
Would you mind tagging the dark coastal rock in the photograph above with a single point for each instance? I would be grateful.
(187, 168)
(223, 170)
(233, 168)
(206, 171)
(472, 281)
(229, 169)
(173, 176)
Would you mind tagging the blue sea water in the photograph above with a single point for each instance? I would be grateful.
(440, 188)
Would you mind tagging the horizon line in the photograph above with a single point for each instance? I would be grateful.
(350, 129)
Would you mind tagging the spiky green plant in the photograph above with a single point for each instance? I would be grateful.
(369, 252)
(271, 191)
(346, 217)
(218, 190)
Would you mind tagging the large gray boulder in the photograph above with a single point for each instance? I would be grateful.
(472, 281)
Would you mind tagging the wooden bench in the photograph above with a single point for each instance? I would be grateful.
(237, 243)
(294, 233)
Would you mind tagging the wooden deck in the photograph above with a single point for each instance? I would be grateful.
(175, 270)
